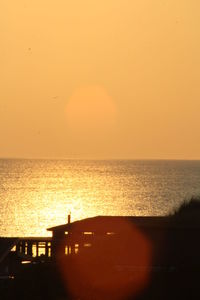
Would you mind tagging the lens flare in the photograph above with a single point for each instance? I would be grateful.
(115, 266)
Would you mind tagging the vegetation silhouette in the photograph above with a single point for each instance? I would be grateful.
(189, 208)
(180, 261)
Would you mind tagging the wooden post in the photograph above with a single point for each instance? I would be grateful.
(46, 249)
(29, 248)
(23, 247)
(18, 247)
(37, 252)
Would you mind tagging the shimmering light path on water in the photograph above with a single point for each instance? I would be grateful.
(37, 194)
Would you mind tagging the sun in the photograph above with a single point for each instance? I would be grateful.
(91, 112)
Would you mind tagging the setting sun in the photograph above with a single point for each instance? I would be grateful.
(90, 112)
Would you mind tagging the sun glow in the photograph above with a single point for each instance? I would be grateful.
(91, 113)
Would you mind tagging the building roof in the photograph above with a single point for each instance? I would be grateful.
(116, 223)
(111, 223)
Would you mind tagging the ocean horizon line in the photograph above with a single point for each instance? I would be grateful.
(98, 159)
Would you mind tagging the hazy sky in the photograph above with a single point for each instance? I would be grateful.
(100, 79)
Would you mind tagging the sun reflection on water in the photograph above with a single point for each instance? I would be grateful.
(37, 194)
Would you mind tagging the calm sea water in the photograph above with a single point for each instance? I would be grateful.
(37, 194)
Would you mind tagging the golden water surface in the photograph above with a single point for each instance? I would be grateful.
(37, 194)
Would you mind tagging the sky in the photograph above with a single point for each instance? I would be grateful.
(115, 79)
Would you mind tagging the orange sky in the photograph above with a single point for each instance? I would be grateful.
(100, 79)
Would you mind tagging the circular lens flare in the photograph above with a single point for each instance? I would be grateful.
(114, 267)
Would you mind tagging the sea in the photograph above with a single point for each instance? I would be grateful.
(38, 194)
